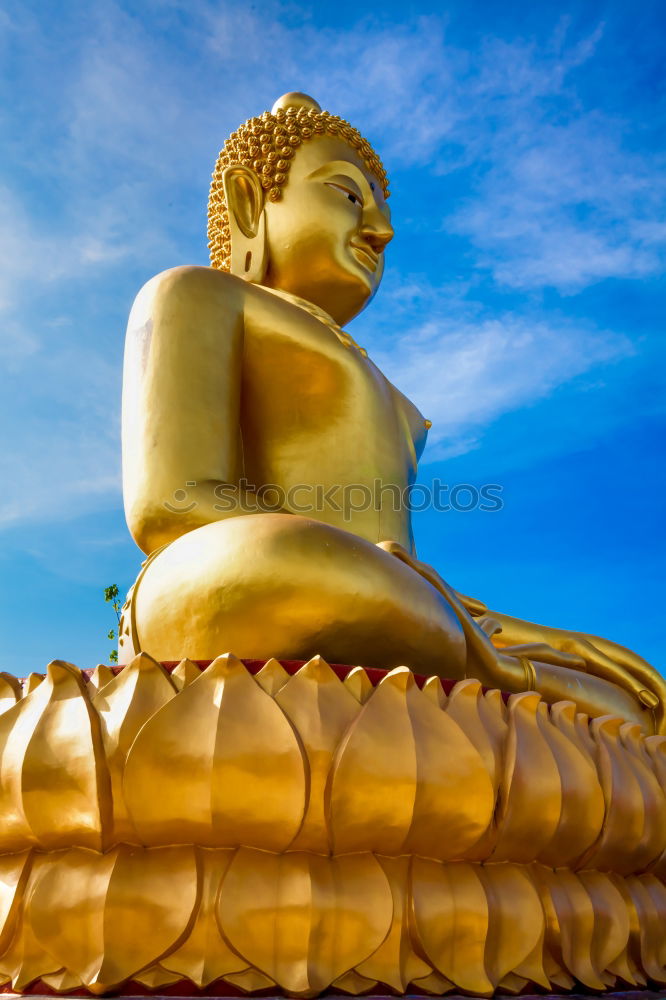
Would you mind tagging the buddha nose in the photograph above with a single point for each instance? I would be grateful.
(377, 231)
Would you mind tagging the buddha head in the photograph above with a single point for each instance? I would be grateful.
(298, 204)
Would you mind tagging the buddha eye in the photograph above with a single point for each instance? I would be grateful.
(354, 198)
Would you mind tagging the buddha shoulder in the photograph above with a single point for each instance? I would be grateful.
(183, 351)
(187, 295)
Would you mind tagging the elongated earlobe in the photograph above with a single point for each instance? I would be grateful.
(247, 223)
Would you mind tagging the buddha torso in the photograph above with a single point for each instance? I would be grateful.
(233, 386)
(317, 413)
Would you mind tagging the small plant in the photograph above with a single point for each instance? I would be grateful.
(111, 596)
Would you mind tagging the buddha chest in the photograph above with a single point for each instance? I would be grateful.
(320, 419)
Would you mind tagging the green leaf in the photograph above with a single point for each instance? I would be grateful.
(111, 596)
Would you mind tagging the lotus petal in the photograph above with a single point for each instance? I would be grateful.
(14, 871)
(31, 683)
(454, 799)
(304, 920)
(351, 982)
(272, 676)
(217, 766)
(62, 982)
(104, 917)
(653, 841)
(656, 749)
(250, 980)
(359, 684)
(205, 956)
(516, 924)
(611, 922)
(494, 715)
(432, 689)
(513, 984)
(582, 812)
(184, 674)
(465, 706)
(483, 722)
(54, 790)
(156, 976)
(10, 691)
(100, 676)
(632, 954)
(395, 962)
(574, 925)
(583, 728)
(321, 710)
(530, 801)
(124, 705)
(434, 983)
(657, 891)
(373, 785)
(25, 960)
(650, 920)
(451, 921)
(624, 821)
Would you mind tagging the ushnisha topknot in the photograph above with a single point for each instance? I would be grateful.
(267, 144)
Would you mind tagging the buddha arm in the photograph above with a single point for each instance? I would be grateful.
(182, 444)
(527, 652)
(601, 657)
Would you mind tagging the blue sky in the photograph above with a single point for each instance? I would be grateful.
(522, 308)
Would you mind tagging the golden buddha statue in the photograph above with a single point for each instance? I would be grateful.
(247, 406)
(255, 826)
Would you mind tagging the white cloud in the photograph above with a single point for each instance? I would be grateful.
(464, 373)
(54, 483)
(560, 197)
(38, 252)
(63, 455)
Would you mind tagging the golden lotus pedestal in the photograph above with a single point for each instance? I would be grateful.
(286, 828)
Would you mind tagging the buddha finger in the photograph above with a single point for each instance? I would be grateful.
(547, 654)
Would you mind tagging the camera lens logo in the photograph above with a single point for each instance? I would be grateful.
(181, 504)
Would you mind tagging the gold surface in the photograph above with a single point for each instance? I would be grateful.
(241, 377)
(304, 832)
(301, 832)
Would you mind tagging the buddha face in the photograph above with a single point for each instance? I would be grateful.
(326, 236)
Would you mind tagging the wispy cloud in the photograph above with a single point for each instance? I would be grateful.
(564, 205)
(465, 369)
(562, 194)
(62, 456)
(39, 251)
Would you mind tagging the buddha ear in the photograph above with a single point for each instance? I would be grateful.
(247, 223)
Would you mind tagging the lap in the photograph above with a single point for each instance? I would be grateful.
(287, 586)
